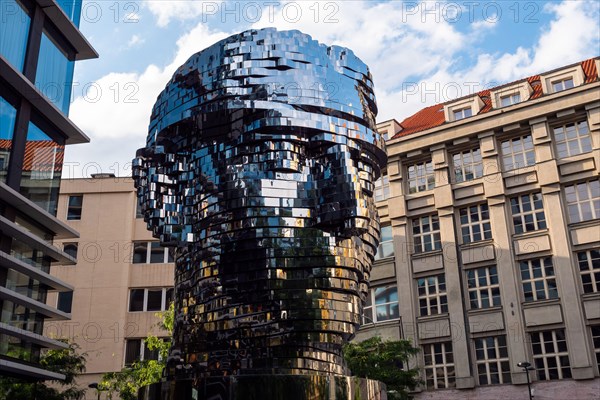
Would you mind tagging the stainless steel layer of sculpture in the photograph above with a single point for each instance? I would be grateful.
(259, 171)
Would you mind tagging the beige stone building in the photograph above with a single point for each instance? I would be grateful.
(121, 279)
(491, 239)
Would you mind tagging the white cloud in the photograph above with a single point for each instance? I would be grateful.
(135, 40)
(167, 10)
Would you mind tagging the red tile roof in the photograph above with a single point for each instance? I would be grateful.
(40, 155)
(433, 116)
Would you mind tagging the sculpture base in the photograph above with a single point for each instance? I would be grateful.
(267, 387)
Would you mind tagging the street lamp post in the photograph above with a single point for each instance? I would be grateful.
(527, 367)
(94, 385)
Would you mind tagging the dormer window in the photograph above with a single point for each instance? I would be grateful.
(510, 99)
(562, 84)
(462, 113)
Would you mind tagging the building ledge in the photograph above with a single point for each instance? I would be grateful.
(14, 368)
(83, 49)
(35, 212)
(8, 261)
(32, 304)
(32, 337)
(25, 88)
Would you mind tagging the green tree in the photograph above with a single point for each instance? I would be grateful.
(384, 361)
(69, 362)
(130, 379)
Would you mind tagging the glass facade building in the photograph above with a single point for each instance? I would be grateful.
(39, 43)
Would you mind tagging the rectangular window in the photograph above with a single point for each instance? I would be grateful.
(596, 340)
(138, 209)
(484, 288)
(14, 31)
(74, 207)
(493, 366)
(537, 277)
(462, 113)
(528, 212)
(150, 253)
(572, 139)
(382, 188)
(70, 249)
(518, 153)
(386, 245)
(431, 293)
(421, 177)
(550, 355)
(137, 350)
(426, 233)
(563, 84)
(150, 299)
(475, 223)
(439, 365)
(385, 301)
(467, 165)
(510, 99)
(589, 270)
(583, 201)
(54, 74)
(8, 117)
(65, 301)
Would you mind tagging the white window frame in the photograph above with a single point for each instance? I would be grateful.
(469, 226)
(513, 98)
(575, 73)
(385, 244)
(585, 262)
(431, 288)
(149, 253)
(528, 208)
(372, 305)
(478, 292)
(517, 152)
(523, 89)
(164, 305)
(462, 113)
(595, 331)
(494, 354)
(462, 168)
(541, 358)
(582, 139)
(448, 380)
(382, 188)
(474, 103)
(421, 171)
(543, 281)
(142, 350)
(575, 204)
(427, 233)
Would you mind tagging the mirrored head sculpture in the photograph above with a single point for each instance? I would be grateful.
(259, 172)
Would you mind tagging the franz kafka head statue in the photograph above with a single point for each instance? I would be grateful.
(259, 171)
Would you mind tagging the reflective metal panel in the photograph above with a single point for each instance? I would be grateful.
(259, 171)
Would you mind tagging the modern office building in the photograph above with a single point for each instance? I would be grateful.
(490, 253)
(121, 280)
(39, 43)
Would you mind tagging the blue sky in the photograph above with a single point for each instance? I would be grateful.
(420, 53)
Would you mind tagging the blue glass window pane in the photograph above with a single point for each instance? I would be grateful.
(54, 76)
(8, 114)
(14, 30)
(72, 8)
(42, 168)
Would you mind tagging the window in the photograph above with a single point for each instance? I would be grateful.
(137, 350)
(421, 177)
(14, 30)
(596, 341)
(467, 165)
(528, 212)
(70, 249)
(462, 113)
(150, 299)
(572, 139)
(563, 84)
(583, 201)
(65, 301)
(138, 209)
(386, 246)
(493, 365)
(475, 223)
(484, 288)
(426, 233)
(518, 153)
(431, 292)
(550, 354)
(74, 207)
(385, 299)
(589, 270)
(538, 280)
(510, 99)
(382, 188)
(439, 365)
(150, 253)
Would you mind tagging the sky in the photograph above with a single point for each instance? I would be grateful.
(419, 53)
